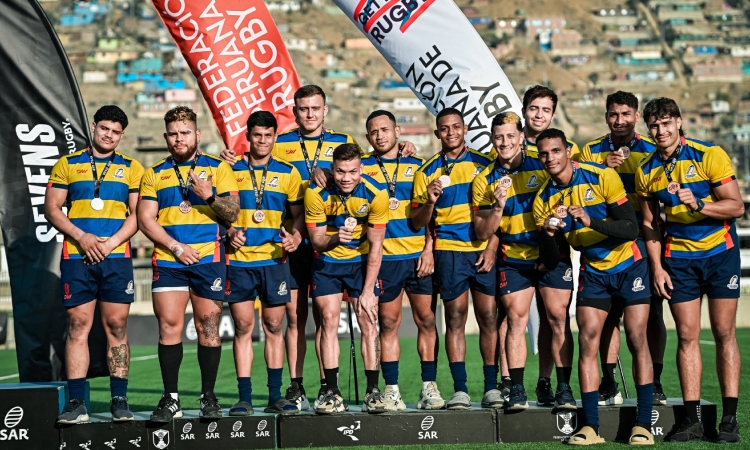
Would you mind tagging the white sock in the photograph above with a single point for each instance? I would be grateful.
(393, 386)
(424, 384)
(174, 395)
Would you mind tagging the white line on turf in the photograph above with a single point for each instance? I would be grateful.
(707, 342)
(8, 377)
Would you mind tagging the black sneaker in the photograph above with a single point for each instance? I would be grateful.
(686, 431)
(210, 408)
(74, 412)
(241, 408)
(609, 395)
(321, 393)
(517, 400)
(544, 395)
(659, 397)
(282, 406)
(296, 394)
(564, 397)
(729, 430)
(120, 410)
(167, 409)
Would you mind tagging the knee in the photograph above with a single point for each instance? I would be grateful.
(272, 325)
(329, 318)
(724, 334)
(687, 336)
(291, 319)
(78, 328)
(243, 327)
(455, 320)
(117, 328)
(517, 320)
(389, 325)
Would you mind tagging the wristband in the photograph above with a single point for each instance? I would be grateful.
(700, 205)
(210, 200)
(177, 250)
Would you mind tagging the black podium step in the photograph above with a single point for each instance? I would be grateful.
(539, 424)
(411, 426)
(28, 412)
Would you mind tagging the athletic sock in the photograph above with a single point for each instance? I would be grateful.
(323, 380)
(298, 380)
(208, 361)
(728, 406)
(693, 410)
(560, 374)
(118, 387)
(657, 372)
(568, 371)
(540, 381)
(590, 400)
(429, 371)
(506, 382)
(372, 379)
(645, 394)
(390, 372)
(245, 388)
(608, 374)
(77, 388)
(516, 375)
(490, 377)
(332, 378)
(274, 385)
(458, 372)
(170, 359)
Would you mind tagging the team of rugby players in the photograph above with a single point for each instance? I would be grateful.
(308, 213)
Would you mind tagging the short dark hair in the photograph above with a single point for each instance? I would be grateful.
(449, 112)
(180, 114)
(347, 152)
(262, 119)
(113, 114)
(538, 91)
(551, 133)
(378, 113)
(310, 90)
(507, 118)
(622, 98)
(661, 107)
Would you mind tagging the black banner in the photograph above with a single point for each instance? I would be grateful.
(42, 117)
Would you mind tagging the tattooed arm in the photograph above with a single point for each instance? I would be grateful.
(226, 208)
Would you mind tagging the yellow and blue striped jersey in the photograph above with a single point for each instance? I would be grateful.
(597, 151)
(73, 173)
(288, 149)
(699, 167)
(596, 188)
(367, 204)
(263, 240)
(198, 228)
(402, 240)
(575, 152)
(454, 218)
(520, 237)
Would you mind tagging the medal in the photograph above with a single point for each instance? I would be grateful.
(506, 182)
(185, 206)
(97, 204)
(259, 216)
(561, 211)
(393, 203)
(350, 223)
(445, 180)
(673, 187)
(624, 151)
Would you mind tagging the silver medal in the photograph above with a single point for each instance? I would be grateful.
(445, 180)
(393, 203)
(97, 204)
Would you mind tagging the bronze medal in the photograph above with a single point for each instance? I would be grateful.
(673, 187)
(506, 182)
(625, 151)
(350, 223)
(393, 203)
(185, 206)
(259, 216)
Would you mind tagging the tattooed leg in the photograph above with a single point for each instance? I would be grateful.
(207, 315)
(118, 359)
(370, 343)
(115, 321)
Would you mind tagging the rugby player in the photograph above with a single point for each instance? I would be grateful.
(96, 262)
(407, 263)
(539, 107)
(700, 256)
(442, 191)
(346, 223)
(622, 149)
(587, 203)
(503, 199)
(185, 202)
(257, 266)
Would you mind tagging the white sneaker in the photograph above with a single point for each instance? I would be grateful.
(429, 397)
(331, 403)
(392, 399)
(321, 393)
(373, 403)
(459, 401)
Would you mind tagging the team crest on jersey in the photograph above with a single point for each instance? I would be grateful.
(638, 285)
(274, 182)
(409, 172)
(568, 274)
(282, 288)
(119, 173)
(217, 285)
(690, 171)
(589, 195)
(733, 282)
(329, 152)
(533, 183)
(202, 175)
(364, 209)
(131, 288)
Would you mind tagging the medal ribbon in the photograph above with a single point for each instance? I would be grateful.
(561, 202)
(311, 167)
(259, 191)
(449, 167)
(343, 201)
(673, 160)
(184, 187)
(506, 172)
(631, 145)
(99, 180)
(391, 184)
